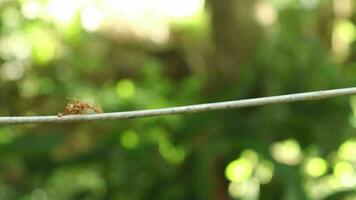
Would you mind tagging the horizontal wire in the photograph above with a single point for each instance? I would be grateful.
(182, 109)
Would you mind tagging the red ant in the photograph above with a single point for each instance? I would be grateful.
(76, 107)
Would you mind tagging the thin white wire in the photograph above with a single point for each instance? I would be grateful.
(183, 109)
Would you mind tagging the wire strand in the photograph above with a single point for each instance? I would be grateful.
(307, 96)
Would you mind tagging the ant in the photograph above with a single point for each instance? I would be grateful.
(76, 107)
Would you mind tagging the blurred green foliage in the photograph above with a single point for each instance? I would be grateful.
(140, 55)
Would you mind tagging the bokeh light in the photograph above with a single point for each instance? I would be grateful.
(344, 171)
(250, 155)
(129, 139)
(171, 153)
(246, 190)
(10, 18)
(125, 88)
(63, 11)
(265, 13)
(143, 19)
(91, 18)
(43, 45)
(247, 173)
(287, 152)
(29, 87)
(239, 170)
(344, 33)
(342, 8)
(31, 9)
(11, 71)
(347, 150)
(15, 46)
(264, 171)
(315, 166)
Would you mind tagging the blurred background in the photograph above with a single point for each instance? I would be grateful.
(143, 54)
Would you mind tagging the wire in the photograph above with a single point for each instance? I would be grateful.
(183, 109)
